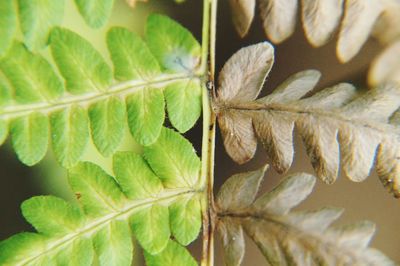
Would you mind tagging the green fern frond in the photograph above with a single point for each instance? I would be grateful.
(156, 196)
(34, 94)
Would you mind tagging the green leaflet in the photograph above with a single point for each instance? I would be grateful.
(8, 23)
(3, 131)
(69, 134)
(5, 91)
(146, 114)
(174, 46)
(173, 255)
(107, 123)
(5, 98)
(95, 12)
(131, 57)
(97, 191)
(185, 219)
(173, 160)
(52, 216)
(79, 252)
(133, 60)
(37, 18)
(31, 76)
(183, 103)
(83, 68)
(135, 201)
(150, 228)
(113, 244)
(30, 136)
(137, 180)
(21, 246)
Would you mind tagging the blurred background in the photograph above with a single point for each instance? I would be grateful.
(362, 201)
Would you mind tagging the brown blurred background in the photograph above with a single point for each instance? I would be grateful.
(367, 200)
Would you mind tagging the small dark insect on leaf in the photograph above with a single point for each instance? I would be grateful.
(78, 195)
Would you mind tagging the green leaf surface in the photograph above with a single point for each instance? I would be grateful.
(151, 228)
(96, 190)
(173, 255)
(183, 103)
(69, 134)
(135, 177)
(107, 123)
(52, 216)
(185, 219)
(131, 57)
(173, 159)
(37, 18)
(31, 76)
(5, 91)
(79, 252)
(8, 24)
(83, 68)
(174, 46)
(146, 114)
(21, 246)
(95, 12)
(113, 243)
(30, 137)
(3, 131)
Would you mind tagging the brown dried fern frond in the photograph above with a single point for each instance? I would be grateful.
(338, 126)
(287, 237)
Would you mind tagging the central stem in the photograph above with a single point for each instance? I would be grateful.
(208, 141)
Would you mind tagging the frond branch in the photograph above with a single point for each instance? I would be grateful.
(95, 225)
(296, 110)
(120, 89)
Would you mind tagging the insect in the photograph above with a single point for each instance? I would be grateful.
(209, 85)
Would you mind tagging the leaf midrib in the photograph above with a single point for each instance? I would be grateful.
(381, 128)
(298, 232)
(123, 88)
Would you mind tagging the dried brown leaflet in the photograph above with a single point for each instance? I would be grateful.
(337, 125)
(353, 20)
(287, 237)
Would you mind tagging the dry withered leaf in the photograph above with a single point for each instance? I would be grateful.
(320, 30)
(354, 20)
(242, 14)
(232, 237)
(287, 237)
(337, 125)
(279, 18)
(247, 68)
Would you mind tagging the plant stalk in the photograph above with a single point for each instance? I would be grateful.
(208, 141)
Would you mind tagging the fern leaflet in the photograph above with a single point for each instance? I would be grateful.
(354, 19)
